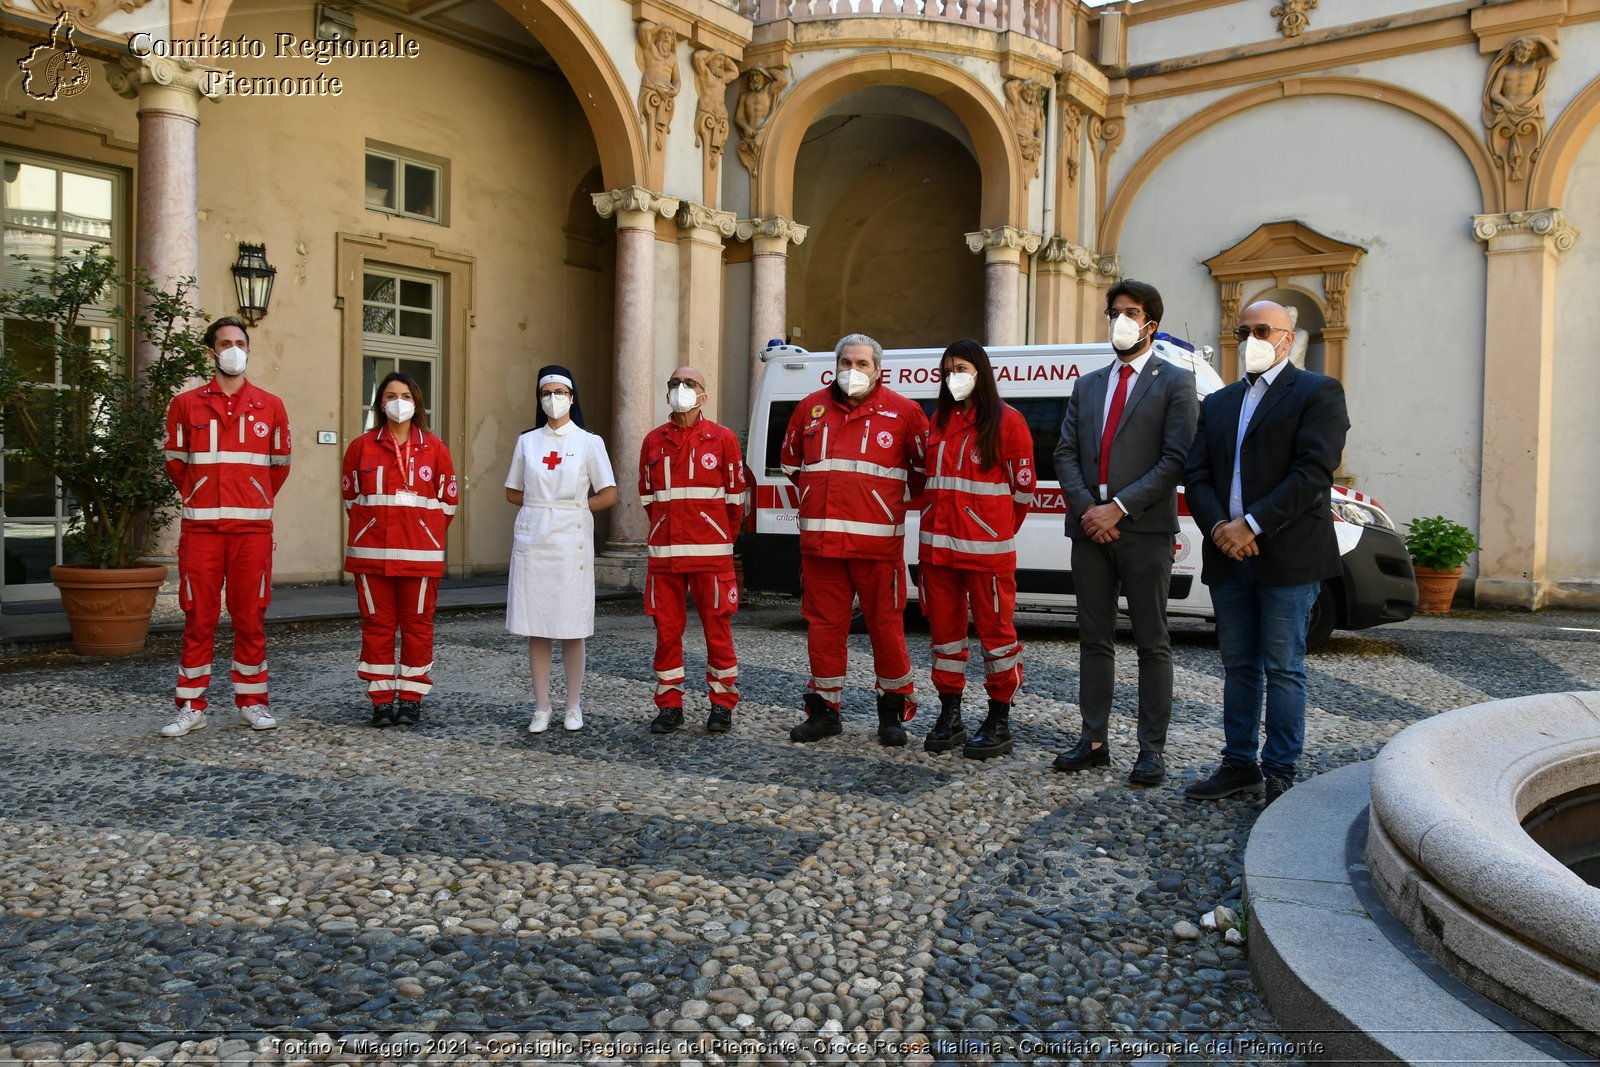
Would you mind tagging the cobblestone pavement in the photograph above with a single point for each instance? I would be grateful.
(466, 891)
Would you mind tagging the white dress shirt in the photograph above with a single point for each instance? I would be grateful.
(1111, 393)
(1252, 398)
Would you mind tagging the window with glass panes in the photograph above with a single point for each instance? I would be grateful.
(52, 209)
(402, 186)
(401, 330)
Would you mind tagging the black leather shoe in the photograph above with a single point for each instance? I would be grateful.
(1228, 779)
(948, 732)
(667, 720)
(994, 736)
(407, 712)
(821, 721)
(1276, 785)
(891, 719)
(1149, 769)
(1082, 756)
(720, 721)
(383, 714)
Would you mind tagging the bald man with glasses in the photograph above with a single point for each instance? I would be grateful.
(1257, 483)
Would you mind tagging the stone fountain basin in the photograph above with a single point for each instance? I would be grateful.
(1448, 853)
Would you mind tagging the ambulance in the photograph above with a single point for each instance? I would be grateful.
(1376, 584)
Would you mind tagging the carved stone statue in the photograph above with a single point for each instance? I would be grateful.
(713, 71)
(1513, 103)
(1025, 109)
(1294, 16)
(657, 55)
(762, 87)
(1072, 138)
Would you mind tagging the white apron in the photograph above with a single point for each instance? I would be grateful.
(551, 589)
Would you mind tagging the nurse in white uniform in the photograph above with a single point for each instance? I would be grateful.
(560, 476)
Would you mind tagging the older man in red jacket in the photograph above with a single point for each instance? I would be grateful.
(855, 450)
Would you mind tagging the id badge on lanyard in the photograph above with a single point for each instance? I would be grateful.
(407, 497)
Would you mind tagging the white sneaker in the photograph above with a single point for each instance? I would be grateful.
(257, 717)
(574, 719)
(187, 720)
(541, 721)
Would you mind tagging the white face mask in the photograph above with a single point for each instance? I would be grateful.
(556, 405)
(231, 360)
(961, 384)
(855, 383)
(1257, 355)
(399, 409)
(683, 399)
(1125, 333)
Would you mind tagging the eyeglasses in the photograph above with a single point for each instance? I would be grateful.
(673, 383)
(558, 392)
(1112, 314)
(1260, 331)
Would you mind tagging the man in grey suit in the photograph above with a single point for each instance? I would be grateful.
(1123, 445)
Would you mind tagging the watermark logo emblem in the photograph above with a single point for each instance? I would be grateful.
(55, 71)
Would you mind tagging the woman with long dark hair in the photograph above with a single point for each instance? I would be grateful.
(399, 487)
(980, 485)
(560, 476)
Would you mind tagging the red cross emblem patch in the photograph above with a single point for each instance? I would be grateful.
(885, 439)
(708, 461)
(261, 429)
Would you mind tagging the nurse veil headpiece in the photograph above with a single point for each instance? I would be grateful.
(554, 372)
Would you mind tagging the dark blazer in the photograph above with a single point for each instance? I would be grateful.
(1291, 449)
(1147, 454)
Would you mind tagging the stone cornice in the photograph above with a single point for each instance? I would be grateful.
(1547, 225)
(635, 199)
(704, 23)
(773, 226)
(692, 216)
(1004, 237)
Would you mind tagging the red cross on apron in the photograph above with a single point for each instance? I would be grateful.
(553, 460)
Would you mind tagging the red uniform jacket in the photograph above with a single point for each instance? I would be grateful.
(857, 469)
(400, 499)
(227, 460)
(970, 516)
(692, 482)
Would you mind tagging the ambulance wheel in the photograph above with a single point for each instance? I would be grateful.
(1324, 616)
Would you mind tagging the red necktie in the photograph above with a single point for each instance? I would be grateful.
(1113, 417)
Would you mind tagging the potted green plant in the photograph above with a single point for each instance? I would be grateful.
(99, 427)
(1439, 549)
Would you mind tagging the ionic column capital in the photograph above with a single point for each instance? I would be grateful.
(1520, 230)
(163, 84)
(1004, 244)
(772, 235)
(635, 207)
(706, 224)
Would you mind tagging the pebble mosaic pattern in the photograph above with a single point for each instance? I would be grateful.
(465, 892)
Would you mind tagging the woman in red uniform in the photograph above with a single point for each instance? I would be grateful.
(980, 485)
(400, 491)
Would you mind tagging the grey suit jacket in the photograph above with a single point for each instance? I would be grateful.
(1147, 455)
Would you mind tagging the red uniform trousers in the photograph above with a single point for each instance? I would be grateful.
(716, 598)
(206, 560)
(945, 593)
(828, 586)
(389, 603)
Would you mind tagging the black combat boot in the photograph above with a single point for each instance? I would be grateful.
(891, 719)
(821, 721)
(994, 736)
(948, 732)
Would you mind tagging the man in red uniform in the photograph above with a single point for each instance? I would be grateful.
(228, 454)
(855, 450)
(692, 482)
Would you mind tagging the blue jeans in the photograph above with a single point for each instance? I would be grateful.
(1261, 633)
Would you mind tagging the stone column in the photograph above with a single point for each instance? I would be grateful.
(1523, 248)
(1003, 248)
(167, 215)
(633, 389)
(769, 280)
(701, 231)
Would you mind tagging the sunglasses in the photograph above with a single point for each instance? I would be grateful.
(1260, 331)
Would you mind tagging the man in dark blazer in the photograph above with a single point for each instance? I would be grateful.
(1257, 482)
(1123, 444)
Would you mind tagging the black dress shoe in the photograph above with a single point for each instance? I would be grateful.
(1230, 778)
(667, 720)
(821, 721)
(720, 721)
(1149, 769)
(1276, 785)
(383, 714)
(407, 712)
(1082, 756)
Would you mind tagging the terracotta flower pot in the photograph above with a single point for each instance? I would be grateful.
(109, 610)
(1436, 590)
